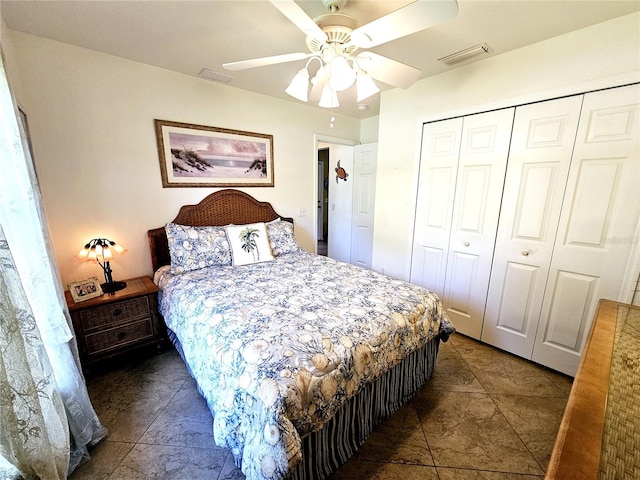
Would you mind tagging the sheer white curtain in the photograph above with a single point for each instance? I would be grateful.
(42, 390)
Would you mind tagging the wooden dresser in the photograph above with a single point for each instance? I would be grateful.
(116, 324)
(599, 434)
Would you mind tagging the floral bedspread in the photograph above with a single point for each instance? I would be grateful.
(277, 347)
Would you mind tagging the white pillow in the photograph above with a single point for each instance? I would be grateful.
(249, 243)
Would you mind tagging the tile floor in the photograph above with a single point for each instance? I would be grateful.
(485, 415)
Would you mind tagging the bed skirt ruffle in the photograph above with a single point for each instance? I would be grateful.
(324, 451)
(327, 449)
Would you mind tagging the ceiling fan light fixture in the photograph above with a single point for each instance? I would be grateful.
(299, 86)
(333, 39)
(342, 74)
(365, 86)
(329, 98)
(321, 77)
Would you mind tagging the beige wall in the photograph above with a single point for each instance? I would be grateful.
(91, 118)
(369, 130)
(595, 57)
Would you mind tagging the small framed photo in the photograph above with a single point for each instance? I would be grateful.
(85, 289)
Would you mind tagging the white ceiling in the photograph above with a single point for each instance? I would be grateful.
(187, 36)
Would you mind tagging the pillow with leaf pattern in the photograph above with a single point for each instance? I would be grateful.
(249, 243)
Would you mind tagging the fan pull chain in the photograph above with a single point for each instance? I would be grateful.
(332, 119)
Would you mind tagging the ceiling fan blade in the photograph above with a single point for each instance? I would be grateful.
(388, 71)
(412, 18)
(261, 62)
(300, 19)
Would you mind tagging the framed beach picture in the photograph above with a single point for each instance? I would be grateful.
(85, 289)
(201, 156)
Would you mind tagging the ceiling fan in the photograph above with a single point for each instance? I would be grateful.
(334, 40)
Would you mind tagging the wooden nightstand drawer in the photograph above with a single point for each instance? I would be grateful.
(120, 324)
(117, 337)
(117, 312)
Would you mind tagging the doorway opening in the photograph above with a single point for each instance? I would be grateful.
(335, 207)
(323, 201)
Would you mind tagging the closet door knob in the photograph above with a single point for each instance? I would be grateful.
(466, 244)
(525, 253)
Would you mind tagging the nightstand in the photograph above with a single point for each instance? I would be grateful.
(116, 324)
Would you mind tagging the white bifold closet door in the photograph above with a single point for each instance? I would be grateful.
(434, 207)
(540, 156)
(598, 228)
(462, 168)
(568, 226)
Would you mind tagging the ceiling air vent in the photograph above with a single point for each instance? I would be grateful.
(215, 76)
(466, 54)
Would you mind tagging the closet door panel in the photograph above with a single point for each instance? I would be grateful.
(595, 238)
(571, 298)
(598, 181)
(540, 156)
(460, 275)
(475, 183)
(515, 304)
(481, 169)
(436, 189)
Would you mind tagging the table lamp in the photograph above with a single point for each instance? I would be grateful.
(102, 250)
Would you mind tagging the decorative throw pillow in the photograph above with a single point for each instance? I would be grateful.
(249, 243)
(281, 237)
(191, 248)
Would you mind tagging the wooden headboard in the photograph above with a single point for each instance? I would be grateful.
(220, 208)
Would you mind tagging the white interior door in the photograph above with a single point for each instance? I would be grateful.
(598, 222)
(320, 213)
(364, 192)
(481, 170)
(340, 203)
(539, 158)
(439, 156)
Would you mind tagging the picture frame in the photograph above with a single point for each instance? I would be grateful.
(202, 156)
(85, 289)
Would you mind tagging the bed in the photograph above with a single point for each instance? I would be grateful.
(297, 355)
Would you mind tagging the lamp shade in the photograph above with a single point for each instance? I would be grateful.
(299, 86)
(329, 98)
(321, 77)
(99, 248)
(365, 86)
(106, 253)
(342, 74)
